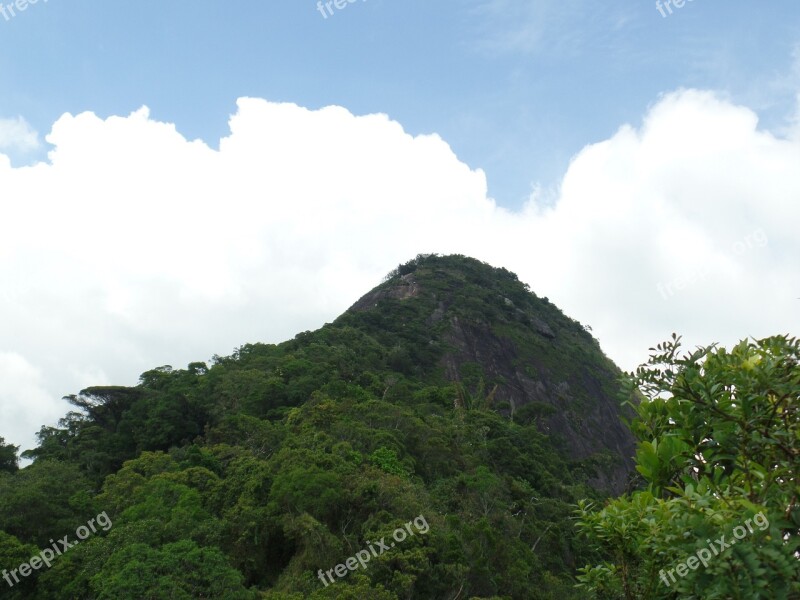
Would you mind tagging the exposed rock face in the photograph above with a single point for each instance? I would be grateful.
(535, 364)
(583, 429)
(406, 287)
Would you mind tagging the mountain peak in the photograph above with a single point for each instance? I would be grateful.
(480, 327)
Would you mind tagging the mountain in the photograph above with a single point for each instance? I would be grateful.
(450, 410)
(480, 325)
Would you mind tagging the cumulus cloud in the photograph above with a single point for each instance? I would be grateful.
(134, 247)
(685, 224)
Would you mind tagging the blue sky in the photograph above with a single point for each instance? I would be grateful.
(641, 171)
(516, 88)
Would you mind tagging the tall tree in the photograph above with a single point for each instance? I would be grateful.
(8, 457)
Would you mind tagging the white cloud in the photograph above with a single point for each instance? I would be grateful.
(17, 135)
(698, 192)
(135, 248)
(25, 403)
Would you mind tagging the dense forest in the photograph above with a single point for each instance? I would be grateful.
(451, 436)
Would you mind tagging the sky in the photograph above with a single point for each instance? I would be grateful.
(178, 179)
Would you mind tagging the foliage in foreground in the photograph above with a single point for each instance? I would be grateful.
(719, 445)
